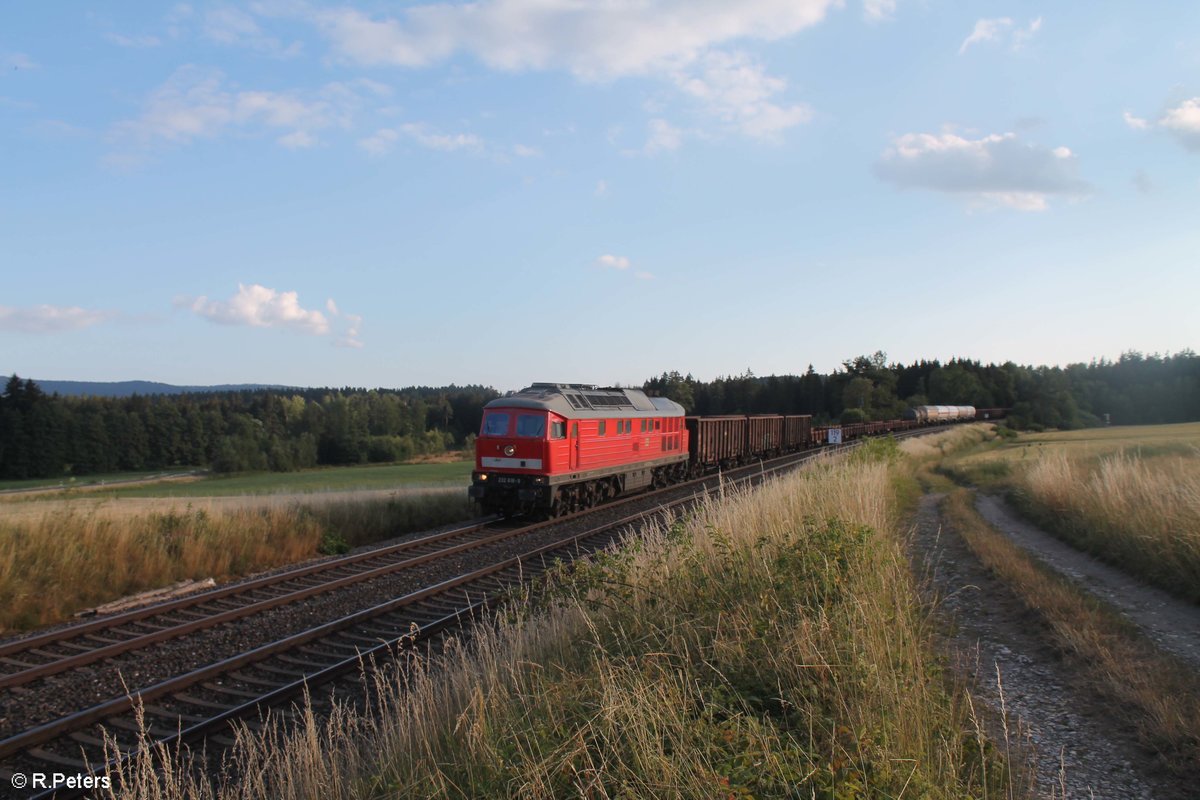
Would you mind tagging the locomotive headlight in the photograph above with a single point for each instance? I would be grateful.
(509, 450)
(482, 476)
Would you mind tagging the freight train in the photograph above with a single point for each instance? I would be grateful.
(555, 448)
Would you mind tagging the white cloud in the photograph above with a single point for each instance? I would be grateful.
(644, 276)
(878, 10)
(232, 26)
(137, 42)
(1022, 35)
(998, 29)
(613, 262)
(421, 133)
(663, 136)
(601, 188)
(196, 103)
(592, 40)
(986, 30)
(676, 40)
(379, 142)
(350, 333)
(1184, 122)
(736, 90)
(49, 319)
(260, 307)
(298, 140)
(1137, 123)
(524, 151)
(994, 170)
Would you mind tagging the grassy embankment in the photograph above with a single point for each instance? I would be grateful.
(70, 557)
(771, 644)
(1118, 485)
(1129, 495)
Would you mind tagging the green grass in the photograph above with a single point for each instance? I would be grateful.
(329, 479)
(91, 480)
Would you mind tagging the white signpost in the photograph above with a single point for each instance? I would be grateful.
(835, 435)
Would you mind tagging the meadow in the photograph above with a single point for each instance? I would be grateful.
(60, 557)
(769, 644)
(1129, 495)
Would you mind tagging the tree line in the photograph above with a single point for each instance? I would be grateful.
(1135, 389)
(50, 435)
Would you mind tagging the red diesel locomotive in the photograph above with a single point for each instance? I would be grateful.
(554, 448)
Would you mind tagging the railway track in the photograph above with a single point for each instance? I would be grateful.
(199, 704)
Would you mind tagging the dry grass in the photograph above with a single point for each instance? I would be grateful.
(770, 645)
(1141, 513)
(57, 563)
(1155, 694)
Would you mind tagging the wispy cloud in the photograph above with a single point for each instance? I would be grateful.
(134, 42)
(232, 26)
(663, 136)
(738, 91)
(1137, 123)
(196, 103)
(878, 10)
(999, 29)
(383, 140)
(49, 319)
(680, 41)
(609, 261)
(998, 169)
(622, 264)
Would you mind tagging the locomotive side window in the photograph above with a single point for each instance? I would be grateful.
(531, 425)
(558, 430)
(657, 423)
(600, 428)
(495, 423)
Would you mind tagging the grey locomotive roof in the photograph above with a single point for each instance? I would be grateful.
(584, 401)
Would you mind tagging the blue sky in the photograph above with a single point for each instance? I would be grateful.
(386, 194)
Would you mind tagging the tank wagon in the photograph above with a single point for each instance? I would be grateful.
(927, 415)
(554, 448)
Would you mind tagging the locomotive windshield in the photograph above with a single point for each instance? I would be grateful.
(531, 425)
(495, 423)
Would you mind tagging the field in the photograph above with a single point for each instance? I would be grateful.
(61, 552)
(1130, 495)
(328, 479)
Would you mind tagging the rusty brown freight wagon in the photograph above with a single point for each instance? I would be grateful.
(797, 429)
(716, 441)
(764, 435)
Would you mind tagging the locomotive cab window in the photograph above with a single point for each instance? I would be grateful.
(657, 423)
(532, 425)
(495, 423)
(558, 430)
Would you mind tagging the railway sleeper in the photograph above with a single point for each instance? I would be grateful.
(132, 725)
(255, 680)
(50, 757)
(308, 665)
(166, 713)
(87, 739)
(200, 702)
(232, 691)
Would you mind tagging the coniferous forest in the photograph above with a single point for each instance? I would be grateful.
(45, 435)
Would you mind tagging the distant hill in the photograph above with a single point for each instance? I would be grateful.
(127, 388)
